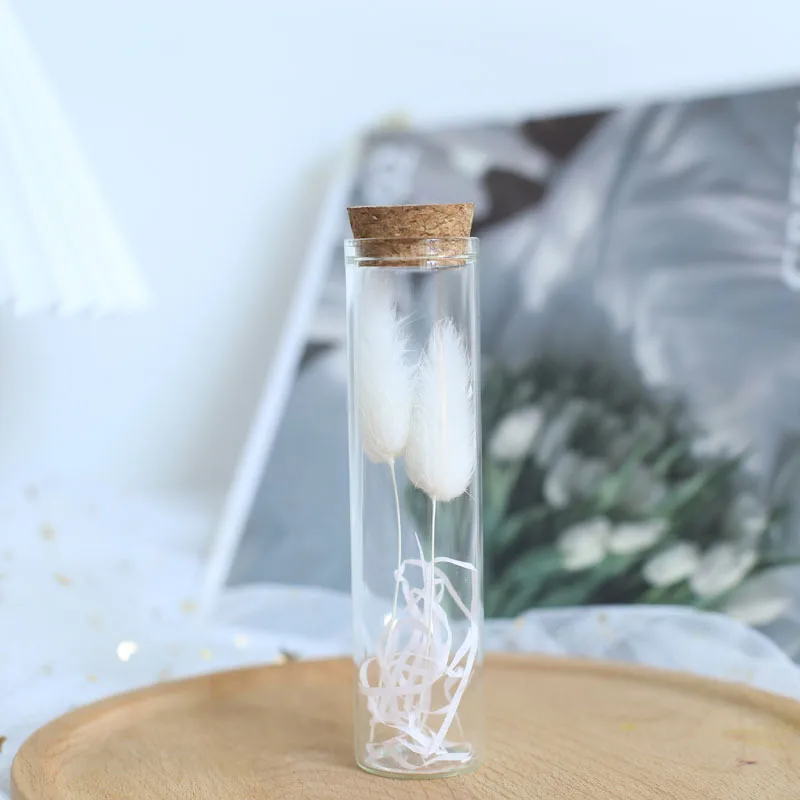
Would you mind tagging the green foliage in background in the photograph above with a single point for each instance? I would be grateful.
(597, 491)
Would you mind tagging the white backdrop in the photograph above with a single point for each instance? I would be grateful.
(212, 126)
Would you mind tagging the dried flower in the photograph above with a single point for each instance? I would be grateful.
(384, 387)
(440, 459)
(441, 451)
(633, 537)
(515, 434)
(384, 379)
(722, 568)
(672, 565)
(585, 544)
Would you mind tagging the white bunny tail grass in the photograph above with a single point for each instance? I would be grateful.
(441, 448)
(421, 675)
(384, 386)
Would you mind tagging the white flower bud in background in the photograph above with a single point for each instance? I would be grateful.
(556, 435)
(591, 472)
(633, 537)
(515, 434)
(644, 491)
(585, 544)
(672, 565)
(763, 599)
(712, 445)
(746, 519)
(559, 483)
(621, 445)
(723, 567)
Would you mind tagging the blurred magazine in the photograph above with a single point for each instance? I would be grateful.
(640, 270)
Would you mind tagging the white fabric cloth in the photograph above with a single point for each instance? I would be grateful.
(100, 596)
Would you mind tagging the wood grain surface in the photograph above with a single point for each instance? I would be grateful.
(556, 729)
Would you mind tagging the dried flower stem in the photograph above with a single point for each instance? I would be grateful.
(399, 541)
(433, 561)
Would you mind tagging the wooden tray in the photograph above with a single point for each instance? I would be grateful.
(557, 729)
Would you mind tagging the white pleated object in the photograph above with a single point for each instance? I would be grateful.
(60, 249)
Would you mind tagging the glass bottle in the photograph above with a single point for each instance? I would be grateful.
(414, 392)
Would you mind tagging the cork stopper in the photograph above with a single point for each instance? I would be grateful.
(412, 235)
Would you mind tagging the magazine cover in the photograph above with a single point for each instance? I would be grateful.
(640, 321)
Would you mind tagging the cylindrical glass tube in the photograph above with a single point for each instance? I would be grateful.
(413, 345)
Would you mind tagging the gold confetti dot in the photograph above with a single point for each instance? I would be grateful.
(628, 726)
(240, 641)
(47, 669)
(188, 607)
(63, 580)
(126, 649)
(3, 740)
(95, 622)
(206, 654)
(91, 678)
(519, 622)
(48, 532)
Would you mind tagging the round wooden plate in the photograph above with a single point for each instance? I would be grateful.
(557, 729)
